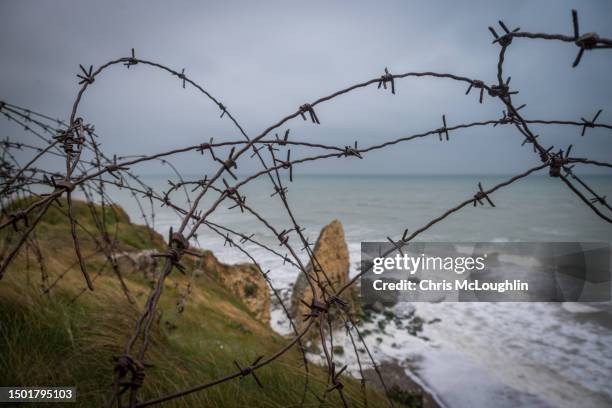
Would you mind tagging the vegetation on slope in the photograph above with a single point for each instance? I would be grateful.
(69, 335)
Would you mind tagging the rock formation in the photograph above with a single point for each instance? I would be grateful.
(244, 280)
(331, 253)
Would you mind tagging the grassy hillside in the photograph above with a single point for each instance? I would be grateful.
(53, 339)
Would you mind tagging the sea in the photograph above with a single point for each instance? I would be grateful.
(467, 354)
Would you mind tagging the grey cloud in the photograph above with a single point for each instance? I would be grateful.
(263, 59)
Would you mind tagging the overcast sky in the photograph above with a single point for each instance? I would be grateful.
(264, 59)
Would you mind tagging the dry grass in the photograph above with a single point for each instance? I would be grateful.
(51, 340)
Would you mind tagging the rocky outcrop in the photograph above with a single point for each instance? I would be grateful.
(243, 280)
(332, 259)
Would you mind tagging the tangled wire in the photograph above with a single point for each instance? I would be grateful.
(73, 139)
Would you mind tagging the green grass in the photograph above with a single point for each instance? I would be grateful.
(49, 340)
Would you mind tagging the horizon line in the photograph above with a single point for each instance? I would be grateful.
(389, 174)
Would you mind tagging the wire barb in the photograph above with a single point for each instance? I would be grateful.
(589, 123)
(307, 108)
(387, 78)
(482, 195)
(478, 85)
(132, 60)
(587, 41)
(87, 76)
(249, 370)
(443, 129)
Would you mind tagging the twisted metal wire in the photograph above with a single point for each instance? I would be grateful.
(73, 139)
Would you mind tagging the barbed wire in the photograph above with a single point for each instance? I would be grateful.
(74, 139)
